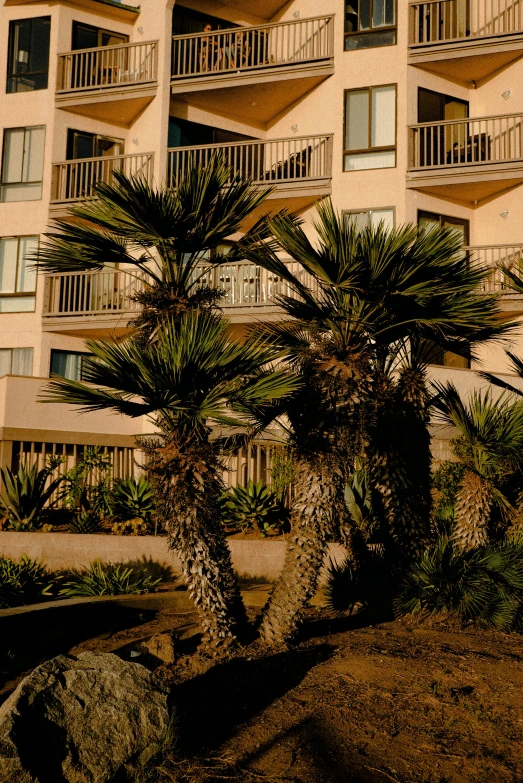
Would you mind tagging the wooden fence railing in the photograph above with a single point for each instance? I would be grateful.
(437, 21)
(496, 258)
(467, 142)
(106, 67)
(90, 293)
(252, 48)
(76, 179)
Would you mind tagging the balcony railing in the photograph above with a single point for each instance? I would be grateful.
(266, 162)
(103, 293)
(108, 67)
(245, 284)
(497, 258)
(438, 21)
(469, 142)
(76, 179)
(252, 48)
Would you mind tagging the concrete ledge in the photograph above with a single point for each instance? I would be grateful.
(257, 559)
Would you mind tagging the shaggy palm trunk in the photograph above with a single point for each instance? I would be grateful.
(189, 490)
(398, 460)
(473, 509)
(313, 518)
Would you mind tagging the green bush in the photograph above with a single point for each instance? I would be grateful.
(107, 579)
(28, 492)
(482, 586)
(88, 521)
(131, 499)
(366, 586)
(253, 507)
(23, 581)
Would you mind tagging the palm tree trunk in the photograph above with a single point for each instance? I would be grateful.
(313, 517)
(473, 508)
(188, 491)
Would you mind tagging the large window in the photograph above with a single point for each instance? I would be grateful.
(370, 128)
(28, 54)
(16, 361)
(371, 218)
(69, 364)
(370, 23)
(23, 164)
(17, 274)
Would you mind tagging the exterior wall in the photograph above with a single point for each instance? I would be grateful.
(495, 220)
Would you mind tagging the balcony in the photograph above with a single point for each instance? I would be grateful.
(112, 9)
(467, 160)
(78, 302)
(253, 73)
(75, 180)
(466, 40)
(111, 83)
(497, 258)
(298, 169)
(83, 303)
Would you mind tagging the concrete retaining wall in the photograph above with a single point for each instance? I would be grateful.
(261, 559)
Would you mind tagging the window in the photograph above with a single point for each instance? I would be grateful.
(23, 164)
(370, 23)
(434, 354)
(28, 54)
(85, 36)
(428, 220)
(365, 218)
(17, 276)
(69, 364)
(16, 361)
(370, 128)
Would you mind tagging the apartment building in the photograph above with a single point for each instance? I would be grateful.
(402, 112)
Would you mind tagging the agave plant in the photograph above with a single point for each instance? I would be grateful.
(29, 491)
(131, 499)
(85, 521)
(483, 586)
(107, 579)
(23, 581)
(252, 507)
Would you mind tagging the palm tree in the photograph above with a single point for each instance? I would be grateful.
(489, 444)
(159, 236)
(364, 297)
(190, 379)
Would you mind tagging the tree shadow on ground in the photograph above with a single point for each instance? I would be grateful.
(210, 706)
(325, 626)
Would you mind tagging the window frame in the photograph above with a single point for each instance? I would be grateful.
(372, 30)
(20, 294)
(55, 351)
(11, 53)
(368, 210)
(388, 148)
(20, 348)
(442, 218)
(40, 182)
(100, 32)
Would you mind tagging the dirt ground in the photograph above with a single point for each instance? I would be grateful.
(405, 702)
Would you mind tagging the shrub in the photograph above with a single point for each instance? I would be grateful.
(89, 484)
(107, 579)
(27, 493)
(23, 582)
(446, 482)
(87, 521)
(483, 586)
(366, 585)
(253, 507)
(131, 499)
(130, 527)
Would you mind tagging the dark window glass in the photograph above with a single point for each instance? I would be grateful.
(28, 55)
(370, 23)
(69, 364)
(187, 21)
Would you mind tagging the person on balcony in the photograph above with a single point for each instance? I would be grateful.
(210, 51)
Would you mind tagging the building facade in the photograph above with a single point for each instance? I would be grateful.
(402, 112)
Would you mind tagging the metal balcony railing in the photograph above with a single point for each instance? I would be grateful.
(102, 293)
(496, 258)
(438, 21)
(266, 162)
(252, 48)
(469, 142)
(107, 67)
(76, 179)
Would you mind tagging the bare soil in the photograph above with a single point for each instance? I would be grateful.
(402, 701)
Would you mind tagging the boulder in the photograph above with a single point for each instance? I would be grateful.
(80, 719)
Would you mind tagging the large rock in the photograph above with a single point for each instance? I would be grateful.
(78, 720)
